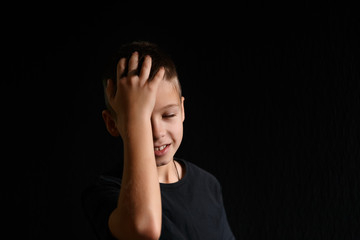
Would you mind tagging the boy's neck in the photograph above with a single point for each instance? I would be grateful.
(168, 173)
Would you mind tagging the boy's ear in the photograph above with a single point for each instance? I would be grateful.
(182, 108)
(110, 123)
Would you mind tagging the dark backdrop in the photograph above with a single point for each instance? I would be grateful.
(272, 110)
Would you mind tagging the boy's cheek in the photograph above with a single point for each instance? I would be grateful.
(179, 129)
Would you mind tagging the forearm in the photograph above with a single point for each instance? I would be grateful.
(141, 184)
(139, 203)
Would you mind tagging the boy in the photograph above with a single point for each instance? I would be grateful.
(158, 196)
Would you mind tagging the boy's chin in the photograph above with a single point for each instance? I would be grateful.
(161, 161)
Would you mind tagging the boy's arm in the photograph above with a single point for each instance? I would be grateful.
(138, 213)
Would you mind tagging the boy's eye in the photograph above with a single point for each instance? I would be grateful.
(168, 115)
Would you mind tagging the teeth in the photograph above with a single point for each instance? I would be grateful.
(160, 148)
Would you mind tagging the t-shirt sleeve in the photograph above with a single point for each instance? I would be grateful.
(227, 234)
(216, 191)
(98, 202)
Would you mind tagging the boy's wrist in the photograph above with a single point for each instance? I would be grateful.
(133, 126)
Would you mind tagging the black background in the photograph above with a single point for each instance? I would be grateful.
(272, 110)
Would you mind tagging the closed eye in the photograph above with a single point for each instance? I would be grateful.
(169, 115)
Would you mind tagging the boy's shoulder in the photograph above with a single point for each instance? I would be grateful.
(194, 171)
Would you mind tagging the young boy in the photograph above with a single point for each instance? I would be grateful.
(158, 196)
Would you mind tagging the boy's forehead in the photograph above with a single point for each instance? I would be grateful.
(167, 94)
(169, 86)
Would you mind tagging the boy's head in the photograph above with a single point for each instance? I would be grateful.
(144, 48)
(168, 113)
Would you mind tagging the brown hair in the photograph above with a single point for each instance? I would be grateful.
(144, 48)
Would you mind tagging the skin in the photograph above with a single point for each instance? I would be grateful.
(149, 114)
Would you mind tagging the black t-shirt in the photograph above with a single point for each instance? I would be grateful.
(192, 208)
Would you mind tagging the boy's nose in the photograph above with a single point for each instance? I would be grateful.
(157, 129)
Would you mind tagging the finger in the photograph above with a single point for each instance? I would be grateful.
(158, 77)
(133, 63)
(120, 68)
(145, 69)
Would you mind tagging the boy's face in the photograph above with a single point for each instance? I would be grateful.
(167, 122)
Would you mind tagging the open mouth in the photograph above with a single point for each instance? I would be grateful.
(161, 150)
(161, 147)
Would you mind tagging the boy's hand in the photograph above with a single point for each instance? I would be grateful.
(135, 96)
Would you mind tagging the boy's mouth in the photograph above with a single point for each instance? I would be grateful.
(161, 150)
